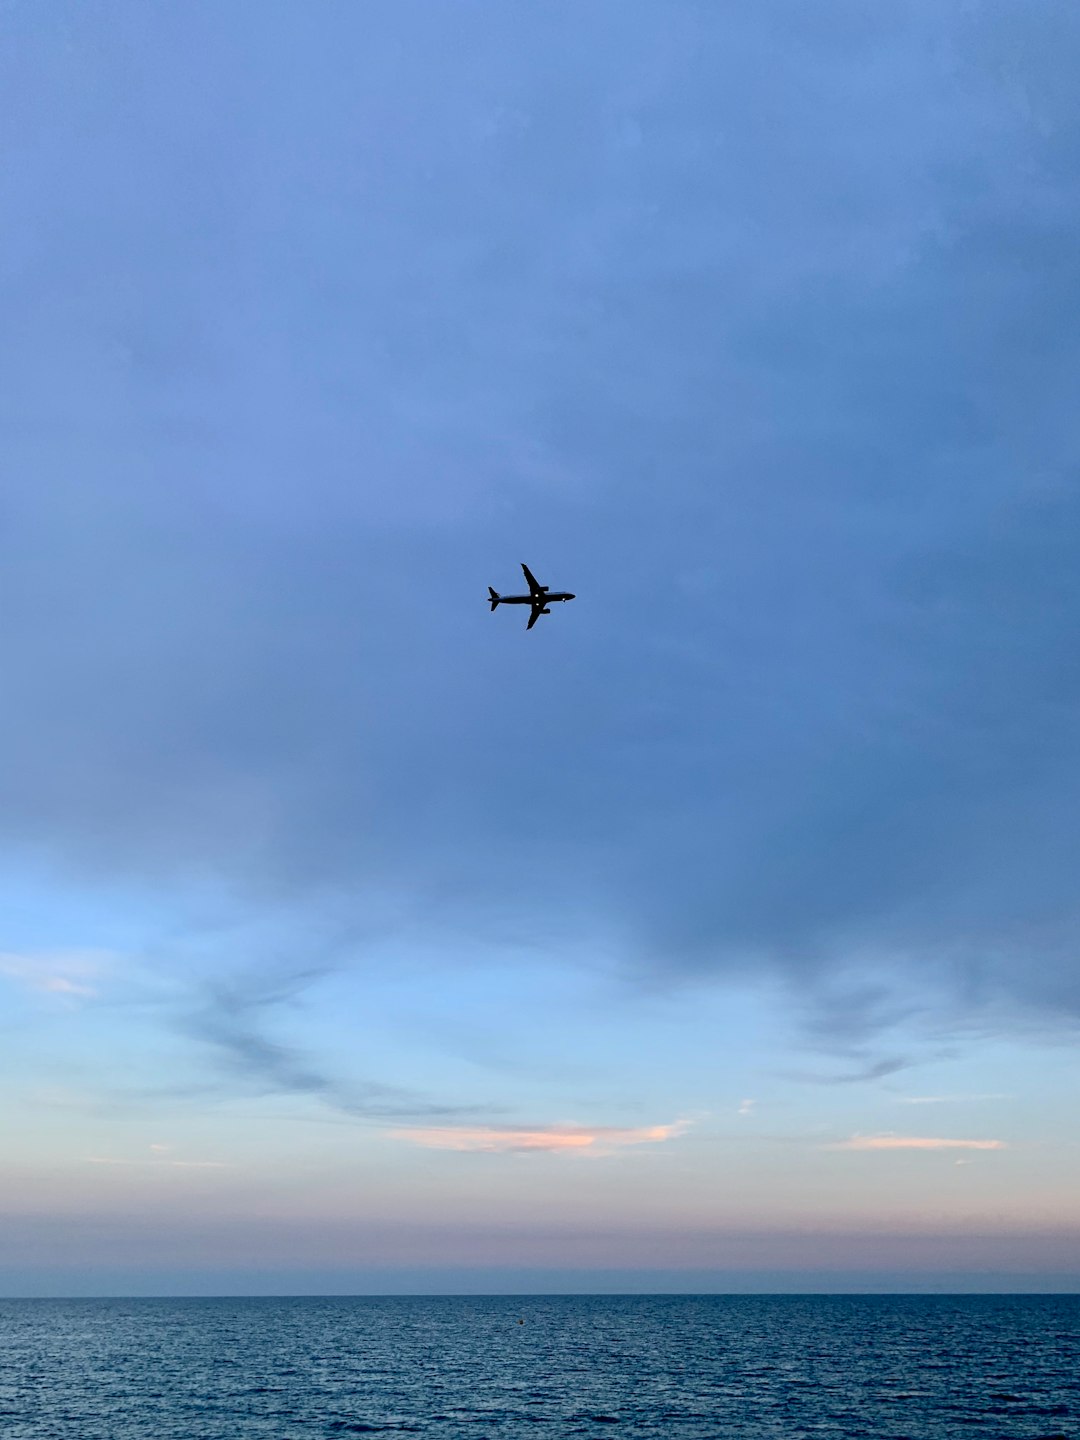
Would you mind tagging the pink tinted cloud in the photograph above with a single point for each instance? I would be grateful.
(66, 973)
(592, 1139)
(913, 1142)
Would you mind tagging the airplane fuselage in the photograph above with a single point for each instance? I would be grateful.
(530, 599)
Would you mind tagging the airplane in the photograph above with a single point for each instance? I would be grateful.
(539, 597)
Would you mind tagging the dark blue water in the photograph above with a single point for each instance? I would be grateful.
(716, 1366)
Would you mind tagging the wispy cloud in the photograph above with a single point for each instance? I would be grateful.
(231, 1017)
(912, 1142)
(950, 1099)
(67, 973)
(868, 1070)
(593, 1139)
(746, 1107)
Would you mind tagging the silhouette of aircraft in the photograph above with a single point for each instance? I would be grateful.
(539, 597)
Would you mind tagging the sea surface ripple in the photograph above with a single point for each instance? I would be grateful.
(1006, 1367)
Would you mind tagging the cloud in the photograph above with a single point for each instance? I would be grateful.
(951, 1099)
(912, 1142)
(250, 514)
(230, 1017)
(595, 1139)
(60, 985)
(868, 1069)
(746, 1107)
(65, 973)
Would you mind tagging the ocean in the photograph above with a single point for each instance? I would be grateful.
(1006, 1367)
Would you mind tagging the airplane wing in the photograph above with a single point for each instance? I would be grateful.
(534, 614)
(535, 588)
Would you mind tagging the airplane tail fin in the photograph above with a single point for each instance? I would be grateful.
(493, 596)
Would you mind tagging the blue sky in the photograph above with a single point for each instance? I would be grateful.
(720, 932)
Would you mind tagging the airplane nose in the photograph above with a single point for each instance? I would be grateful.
(571, 597)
